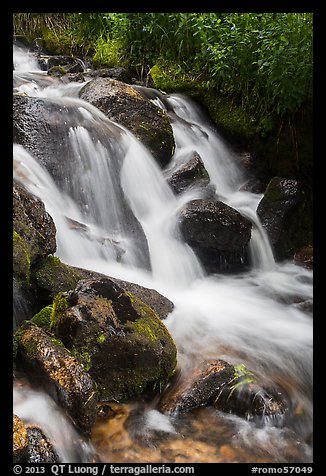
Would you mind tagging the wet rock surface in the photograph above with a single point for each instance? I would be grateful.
(198, 389)
(61, 374)
(40, 449)
(280, 214)
(30, 445)
(217, 233)
(123, 104)
(191, 173)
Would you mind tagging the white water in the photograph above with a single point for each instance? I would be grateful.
(244, 318)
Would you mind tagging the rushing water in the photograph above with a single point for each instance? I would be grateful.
(251, 318)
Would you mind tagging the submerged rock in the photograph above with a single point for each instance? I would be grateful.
(124, 104)
(217, 233)
(198, 388)
(121, 341)
(229, 388)
(62, 375)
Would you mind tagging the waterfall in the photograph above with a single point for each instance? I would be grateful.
(115, 213)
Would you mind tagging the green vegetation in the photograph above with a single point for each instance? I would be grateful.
(263, 61)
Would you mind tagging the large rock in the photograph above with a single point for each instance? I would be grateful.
(50, 276)
(63, 376)
(121, 341)
(34, 232)
(191, 173)
(217, 233)
(280, 212)
(123, 104)
(229, 388)
(198, 388)
(42, 126)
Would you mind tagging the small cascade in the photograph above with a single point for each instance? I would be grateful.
(115, 213)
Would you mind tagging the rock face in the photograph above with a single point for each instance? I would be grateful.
(193, 172)
(123, 104)
(61, 374)
(122, 343)
(279, 212)
(217, 233)
(34, 231)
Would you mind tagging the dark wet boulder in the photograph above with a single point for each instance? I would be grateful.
(34, 232)
(229, 388)
(217, 233)
(121, 341)
(60, 373)
(198, 388)
(20, 440)
(250, 400)
(191, 173)
(282, 213)
(123, 104)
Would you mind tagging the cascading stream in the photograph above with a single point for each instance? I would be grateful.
(118, 199)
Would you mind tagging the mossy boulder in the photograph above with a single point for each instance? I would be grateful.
(46, 360)
(120, 340)
(217, 233)
(282, 212)
(124, 104)
(50, 276)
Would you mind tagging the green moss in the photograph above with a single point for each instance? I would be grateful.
(60, 305)
(57, 71)
(242, 376)
(43, 318)
(21, 258)
(101, 338)
(51, 276)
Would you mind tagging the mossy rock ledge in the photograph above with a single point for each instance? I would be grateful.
(121, 341)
